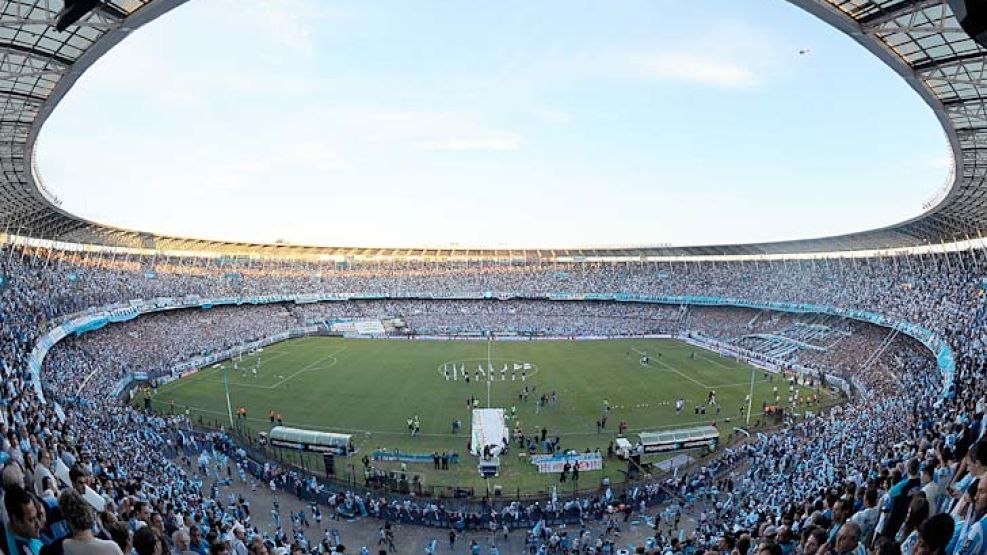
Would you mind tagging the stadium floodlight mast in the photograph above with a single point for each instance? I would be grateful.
(489, 365)
(226, 388)
(73, 12)
(750, 398)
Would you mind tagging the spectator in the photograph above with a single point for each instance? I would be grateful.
(82, 521)
(23, 534)
(146, 542)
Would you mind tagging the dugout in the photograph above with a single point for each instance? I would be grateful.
(308, 440)
(673, 440)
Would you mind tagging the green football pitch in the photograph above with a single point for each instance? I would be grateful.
(370, 388)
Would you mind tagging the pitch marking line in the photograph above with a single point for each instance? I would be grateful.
(670, 367)
(272, 386)
(303, 369)
(738, 384)
(206, 374)
(250, 359)
(721, 365)
(684, 375)
(307, 368)
(641, 362)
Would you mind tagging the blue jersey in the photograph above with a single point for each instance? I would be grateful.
(958, 527)
(971, 540)
(908, 544)
(56, 527)
(867, 520)
(899, 497)
(19, 545)
(963, 483)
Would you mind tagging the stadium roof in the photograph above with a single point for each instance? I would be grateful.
(918, 39)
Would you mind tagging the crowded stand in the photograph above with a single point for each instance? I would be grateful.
(826, 344)
(541, 317)
(166, 337)
(171, 337)
(896, 471)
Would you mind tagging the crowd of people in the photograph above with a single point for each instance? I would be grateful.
(102, 357)
(897, 471)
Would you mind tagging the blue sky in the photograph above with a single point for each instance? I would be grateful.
(510, 123)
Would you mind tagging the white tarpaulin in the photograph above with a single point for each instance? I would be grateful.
(488, 429)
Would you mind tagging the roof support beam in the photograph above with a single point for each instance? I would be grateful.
(946, 62)
(37, 54)
(26, 96)
(868, 22)
(18, 23)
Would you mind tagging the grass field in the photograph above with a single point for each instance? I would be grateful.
(370, 388)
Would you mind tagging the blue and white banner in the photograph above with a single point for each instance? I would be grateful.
(556, 463)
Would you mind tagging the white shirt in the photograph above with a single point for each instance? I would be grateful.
(91, 547)
(867, 520)
(40, 473)
(934, 494)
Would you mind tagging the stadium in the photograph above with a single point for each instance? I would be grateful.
(172, 394)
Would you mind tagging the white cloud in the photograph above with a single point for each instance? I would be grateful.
(257, 120)
(943, 161)
(488, 143)
(691, 68)
(209, 62)
(285, 21)
(554, 116)
(728, 55)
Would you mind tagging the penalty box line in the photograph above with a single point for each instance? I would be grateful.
(311, 366)
(673, 369)
(220, 367)
(274, 356)
(720, 364)
(308, 367)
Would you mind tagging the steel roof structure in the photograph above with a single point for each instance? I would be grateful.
(919, 39)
